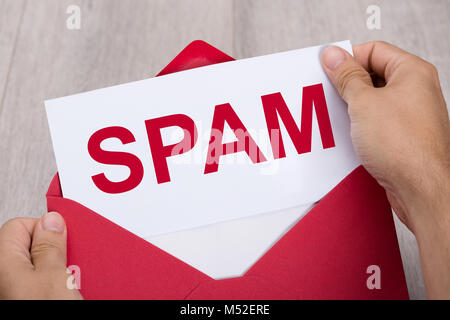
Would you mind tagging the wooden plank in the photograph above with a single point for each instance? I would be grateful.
(10, 20)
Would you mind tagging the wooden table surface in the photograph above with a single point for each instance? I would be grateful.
(125, 40)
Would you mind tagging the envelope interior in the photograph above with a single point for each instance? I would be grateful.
(229, 249)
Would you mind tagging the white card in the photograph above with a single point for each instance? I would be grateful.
(235, 187)
(229, 249)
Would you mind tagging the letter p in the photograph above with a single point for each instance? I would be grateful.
(160, 153)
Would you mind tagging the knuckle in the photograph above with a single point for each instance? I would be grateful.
(426, 71)
(43, 247)
(381, 43)
(422, 67)
(347, 75)
(12, 222)
(430, 69)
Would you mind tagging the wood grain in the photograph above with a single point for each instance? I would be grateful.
(10, 22)
(125, 40)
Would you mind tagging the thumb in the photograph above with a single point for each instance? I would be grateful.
(347, 75)
(48, 245)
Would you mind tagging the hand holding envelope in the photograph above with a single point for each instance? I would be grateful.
(335, 242)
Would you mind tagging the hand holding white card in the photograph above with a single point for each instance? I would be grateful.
(115, 147)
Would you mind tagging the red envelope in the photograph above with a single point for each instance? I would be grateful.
(324, 256)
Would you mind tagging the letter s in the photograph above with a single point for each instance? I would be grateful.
(115, 158)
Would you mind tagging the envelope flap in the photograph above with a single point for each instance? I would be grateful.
(54, 190)
(245, 288)
(197, 54)
(116, 264)
(349, 230)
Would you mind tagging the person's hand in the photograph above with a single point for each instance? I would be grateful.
(401, 133)
(33, 259)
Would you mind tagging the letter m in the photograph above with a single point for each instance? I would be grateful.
(313, 98)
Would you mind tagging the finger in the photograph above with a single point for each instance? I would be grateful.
(15, 242)
(347, 75)
(384, 59)
(48, 246)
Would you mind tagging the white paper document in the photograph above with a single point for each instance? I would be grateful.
(142, 154)
(228, 249)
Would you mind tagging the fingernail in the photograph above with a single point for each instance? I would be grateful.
(53, 221)
(333, 57)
